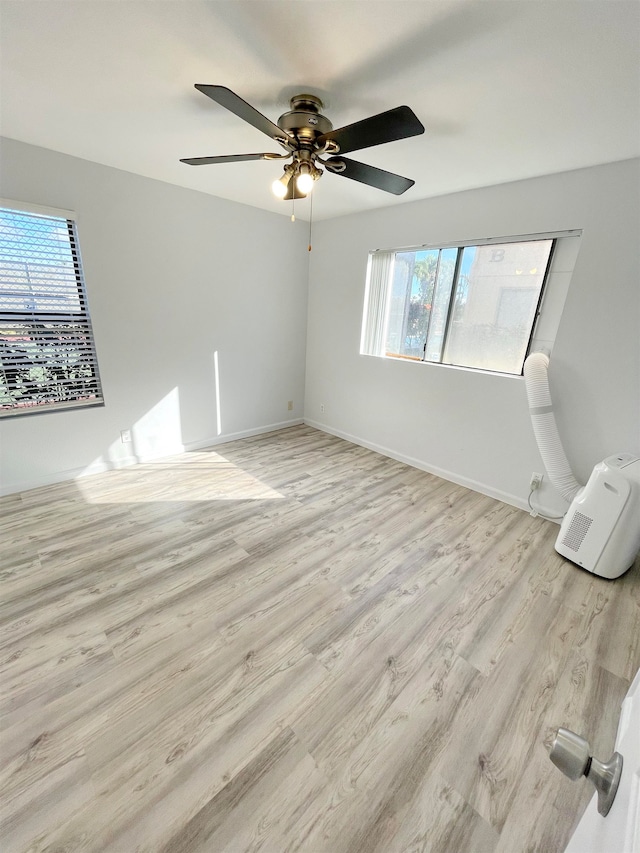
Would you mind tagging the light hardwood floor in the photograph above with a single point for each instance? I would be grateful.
(290, 643)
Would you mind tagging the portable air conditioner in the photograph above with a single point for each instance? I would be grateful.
(601, 530)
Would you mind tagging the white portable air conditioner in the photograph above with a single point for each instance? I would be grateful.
(601, 530)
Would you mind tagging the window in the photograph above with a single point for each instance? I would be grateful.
(466, 305)
(47, 353)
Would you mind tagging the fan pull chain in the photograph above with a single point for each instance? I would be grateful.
(293, 204)
(310, 221)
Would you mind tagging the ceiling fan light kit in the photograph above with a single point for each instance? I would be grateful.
(280, 185)
(308, 137)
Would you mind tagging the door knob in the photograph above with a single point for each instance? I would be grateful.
(572, 754)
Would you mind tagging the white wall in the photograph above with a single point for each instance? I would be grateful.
(172, 276)
(471, 427)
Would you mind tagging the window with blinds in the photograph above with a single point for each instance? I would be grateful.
(47, 352)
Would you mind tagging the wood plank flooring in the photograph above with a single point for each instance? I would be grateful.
(290, 643)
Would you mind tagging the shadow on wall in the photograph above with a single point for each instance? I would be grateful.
(157, 434)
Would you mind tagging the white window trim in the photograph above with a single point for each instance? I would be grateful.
(485, 241)
(39, 209)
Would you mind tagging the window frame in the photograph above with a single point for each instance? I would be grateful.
(459, 246)
(32, 316)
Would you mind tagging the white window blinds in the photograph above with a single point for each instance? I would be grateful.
(47, 352)
(376, 303)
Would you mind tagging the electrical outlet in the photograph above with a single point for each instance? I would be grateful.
(322, 408)
(535, 482)
(125, 436)
(290, 406)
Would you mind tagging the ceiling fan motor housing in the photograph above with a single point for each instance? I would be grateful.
(304, 119)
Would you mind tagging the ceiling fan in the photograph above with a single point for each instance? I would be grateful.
(312, 145)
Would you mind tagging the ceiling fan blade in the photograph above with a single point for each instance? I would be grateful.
(398, 123)
(232, 102)
(229, 158)
(374, 177)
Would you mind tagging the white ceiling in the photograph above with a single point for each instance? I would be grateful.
(506, 89)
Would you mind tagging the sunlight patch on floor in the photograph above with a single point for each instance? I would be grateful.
(177, 479)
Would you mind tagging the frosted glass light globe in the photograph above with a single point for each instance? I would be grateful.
(304, 183)
(278, 188)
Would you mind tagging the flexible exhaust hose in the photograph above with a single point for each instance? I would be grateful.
(544, 426)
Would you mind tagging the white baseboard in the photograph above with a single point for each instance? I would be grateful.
(468, 483)
(100, 466)
(235, 436)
